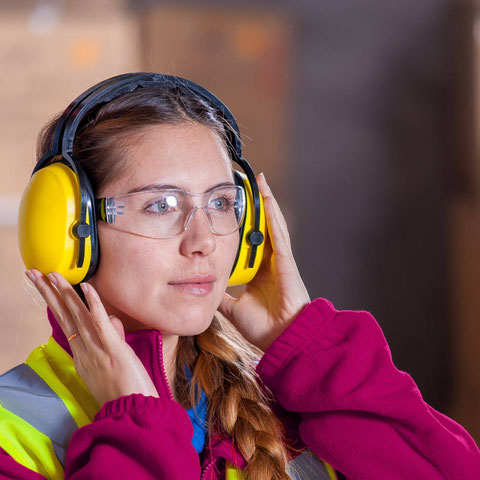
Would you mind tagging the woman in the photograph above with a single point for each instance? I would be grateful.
(158, 384)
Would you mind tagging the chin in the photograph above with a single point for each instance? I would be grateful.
(190, 321)
(187, 332)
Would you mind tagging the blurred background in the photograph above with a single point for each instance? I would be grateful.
(364, 116)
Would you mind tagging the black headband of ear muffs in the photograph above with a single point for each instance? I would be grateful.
(111, 88)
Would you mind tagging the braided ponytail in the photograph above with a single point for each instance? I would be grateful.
(223, 365)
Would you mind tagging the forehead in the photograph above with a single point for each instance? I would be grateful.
(189, 156)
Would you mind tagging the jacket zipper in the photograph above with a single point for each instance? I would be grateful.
(208, 467)
(162, 367)
(169, 390)
(165, 379)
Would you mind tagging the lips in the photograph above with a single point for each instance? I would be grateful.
(198, 278)
(198, 285)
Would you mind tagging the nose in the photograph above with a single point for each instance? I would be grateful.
(198, 236)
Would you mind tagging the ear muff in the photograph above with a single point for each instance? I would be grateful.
(48, 220)
(241, 272)
(57, 228)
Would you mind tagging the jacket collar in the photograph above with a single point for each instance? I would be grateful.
(222, 447)
(147, 345)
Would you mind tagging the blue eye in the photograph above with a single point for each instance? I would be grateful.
(220, 203)
(164, 205)
(161, 206)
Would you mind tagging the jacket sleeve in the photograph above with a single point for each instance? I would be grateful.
(12, 470)
(357, 411)
(145, 438)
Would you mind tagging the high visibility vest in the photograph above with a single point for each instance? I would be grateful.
(44, 401)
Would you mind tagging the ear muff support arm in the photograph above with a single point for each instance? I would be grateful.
(82, 230)
(255, 237)
(107, 91)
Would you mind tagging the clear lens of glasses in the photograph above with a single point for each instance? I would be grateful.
(167, 213)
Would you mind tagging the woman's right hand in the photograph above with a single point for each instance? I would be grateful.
(105, 362)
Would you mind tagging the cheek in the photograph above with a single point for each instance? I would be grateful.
(227, 251)
(128, 262)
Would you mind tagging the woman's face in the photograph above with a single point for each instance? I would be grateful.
(136, 274)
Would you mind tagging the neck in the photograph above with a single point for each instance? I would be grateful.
(169, 345)
(169, 352)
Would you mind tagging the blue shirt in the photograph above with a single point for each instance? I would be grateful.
(198, 417)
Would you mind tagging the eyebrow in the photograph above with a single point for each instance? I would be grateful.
(156, 186)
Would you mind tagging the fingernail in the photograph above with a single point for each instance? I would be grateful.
(31, 276)
(52, 278)
(85, 288)
(267, 186)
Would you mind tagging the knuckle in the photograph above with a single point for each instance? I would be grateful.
(61, 319)
(76, 317)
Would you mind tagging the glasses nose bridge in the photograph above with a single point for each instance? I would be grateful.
(192, 213)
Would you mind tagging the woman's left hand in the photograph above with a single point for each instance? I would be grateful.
(277, 293)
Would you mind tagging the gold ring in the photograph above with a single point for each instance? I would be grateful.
(71, 337)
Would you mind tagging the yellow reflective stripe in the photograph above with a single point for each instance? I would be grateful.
(18, 438)
(331, 471)
(56, 367)
(232, 473)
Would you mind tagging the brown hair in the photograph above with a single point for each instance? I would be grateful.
(221, 361)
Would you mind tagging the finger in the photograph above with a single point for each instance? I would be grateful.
(278, 212)
(118, 326)
(276, 224)
(226, 305)
(105, 331)
(79, 312)
(55, 301)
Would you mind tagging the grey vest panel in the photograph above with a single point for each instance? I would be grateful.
(24, 393)
(307, 466)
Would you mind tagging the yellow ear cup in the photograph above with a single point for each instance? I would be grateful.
(49, 209)
(241, 273)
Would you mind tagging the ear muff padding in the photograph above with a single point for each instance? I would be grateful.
(48, 215)
(241, 273)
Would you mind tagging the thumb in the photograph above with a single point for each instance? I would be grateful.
(226, 305)
(118, 326)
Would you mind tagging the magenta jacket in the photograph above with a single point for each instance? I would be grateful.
(338, 392)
